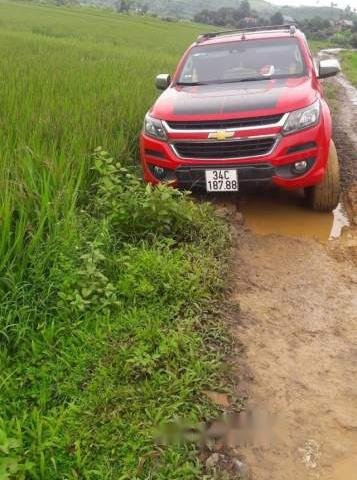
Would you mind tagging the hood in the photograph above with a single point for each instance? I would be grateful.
(238, 100)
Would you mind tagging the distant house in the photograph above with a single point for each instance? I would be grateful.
(252, 21)
(344, 24)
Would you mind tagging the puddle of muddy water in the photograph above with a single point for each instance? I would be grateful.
(285, 214)
(345, 470)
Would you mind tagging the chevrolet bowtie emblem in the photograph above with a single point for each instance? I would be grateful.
(221, 135)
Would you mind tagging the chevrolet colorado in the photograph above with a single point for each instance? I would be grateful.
(245, 107)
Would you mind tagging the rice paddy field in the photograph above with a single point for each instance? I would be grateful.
(70, 81)
(108, 289)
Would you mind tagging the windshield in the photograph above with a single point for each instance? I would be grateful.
(243, 61)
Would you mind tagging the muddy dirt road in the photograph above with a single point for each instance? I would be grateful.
(297, 323)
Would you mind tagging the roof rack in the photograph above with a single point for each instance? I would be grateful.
(247, 31)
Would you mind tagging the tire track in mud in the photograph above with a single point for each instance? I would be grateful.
(345, 136)
(345, 128)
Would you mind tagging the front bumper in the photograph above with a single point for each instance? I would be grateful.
(276, 167)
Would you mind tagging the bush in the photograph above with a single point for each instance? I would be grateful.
(354, 40)
(343, 39)
(135, 211)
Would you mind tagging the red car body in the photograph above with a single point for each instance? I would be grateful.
(258, 110)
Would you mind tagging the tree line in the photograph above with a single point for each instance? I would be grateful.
(315, 28)
(241, 17)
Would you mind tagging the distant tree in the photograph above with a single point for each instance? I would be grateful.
(244, 9)
(242, 17)
(262, 21)
(202, 16)
(348, 12)
(277, 19)
(222, 17)
(145, 9)
(122, 6)
(354, 40)
(333, 5)
(317, 28)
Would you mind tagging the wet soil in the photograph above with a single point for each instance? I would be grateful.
(298, 326)
(345, 124)
(293, 312)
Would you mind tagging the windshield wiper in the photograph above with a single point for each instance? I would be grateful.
(190, 84)
(247, 79)
(218, 82)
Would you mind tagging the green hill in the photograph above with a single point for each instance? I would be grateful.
(186, 9)
(300, 13)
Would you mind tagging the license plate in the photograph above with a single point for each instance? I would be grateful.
(222, 180)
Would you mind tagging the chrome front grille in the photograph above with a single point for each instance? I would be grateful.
(204, 150)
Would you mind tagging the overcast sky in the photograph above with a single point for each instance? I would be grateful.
(312, 3)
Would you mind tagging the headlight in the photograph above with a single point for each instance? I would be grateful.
(304, 118)
(154, 128)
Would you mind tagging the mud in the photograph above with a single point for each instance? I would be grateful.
(285, 213)
(298, 326)
(294, 316)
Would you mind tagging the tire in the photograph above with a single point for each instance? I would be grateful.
(325, 196)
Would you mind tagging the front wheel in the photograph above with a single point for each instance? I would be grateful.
(325, 196)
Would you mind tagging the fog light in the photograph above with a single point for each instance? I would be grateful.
(300, 167)
(159, 173)
(162, 174)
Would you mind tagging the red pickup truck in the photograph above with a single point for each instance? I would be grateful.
(245, 107)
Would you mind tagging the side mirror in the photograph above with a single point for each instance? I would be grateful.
(163, 81)
(329, 68)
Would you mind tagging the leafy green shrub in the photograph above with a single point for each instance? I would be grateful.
(88, 287)
(343, 39)
(354, 40)
(124, 212)
(134, 211)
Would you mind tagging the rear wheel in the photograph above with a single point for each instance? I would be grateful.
(325, 196)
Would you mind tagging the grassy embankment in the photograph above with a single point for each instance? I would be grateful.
(317, 45)
(349, 63)
(105, 287)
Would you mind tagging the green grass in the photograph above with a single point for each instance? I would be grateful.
(349, 64)
(70, 81)
(107, 288)
(331, 92)
(317, 45)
